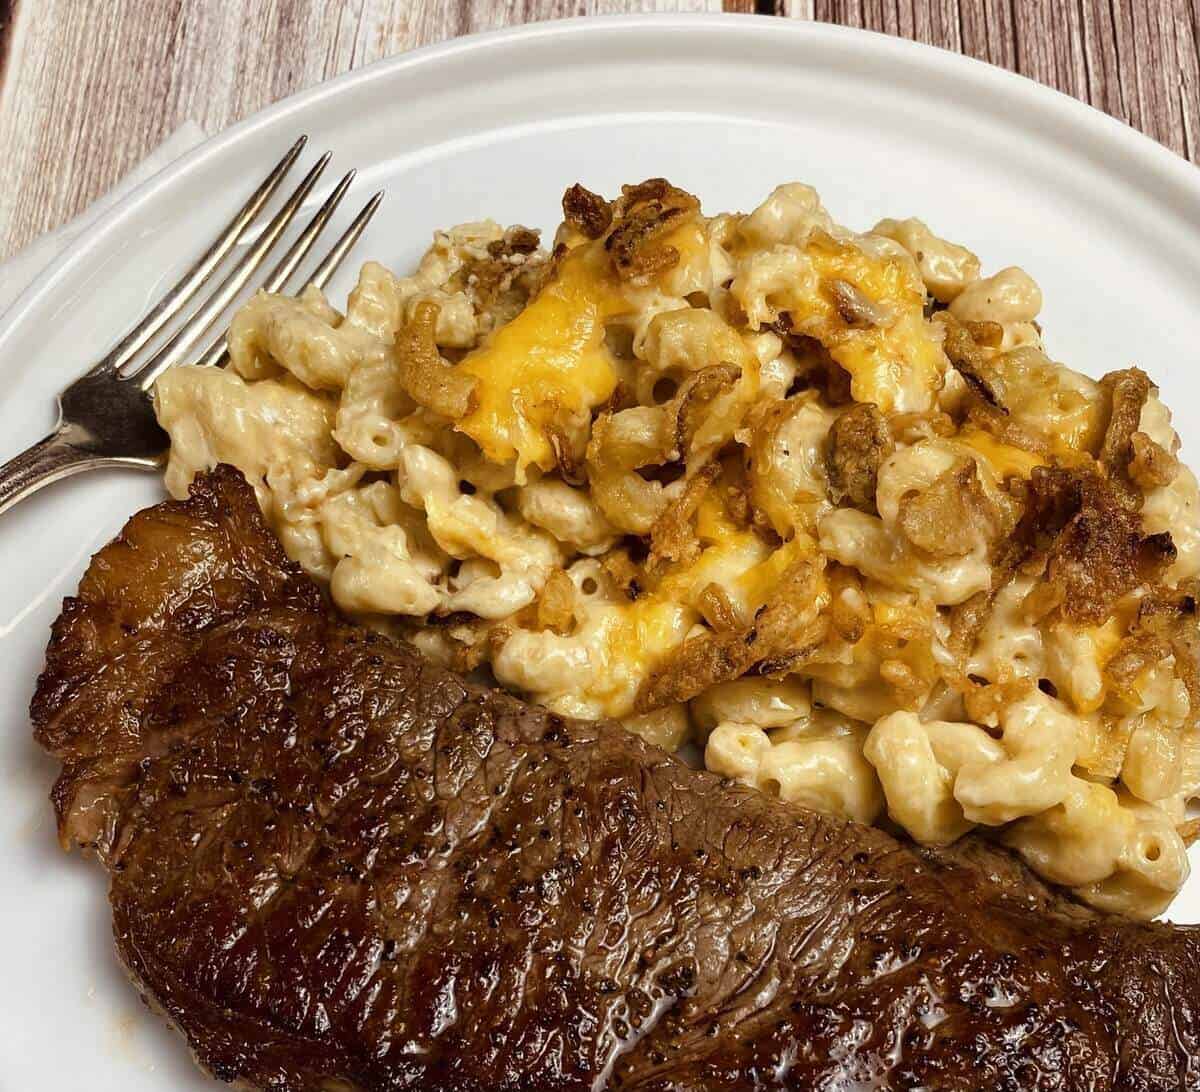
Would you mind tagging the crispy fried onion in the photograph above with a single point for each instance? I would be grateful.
(623, 571)
(1150, 465)
(781, 634)
(1093, 548)
(568, 443)
(463, 642)
(966, 619)
(969, 360)
(859, 441)
(428, 379)
(1127, 391)
(555, 606)
(642, 215)
(985, 702)
(516, 240)
(1166, 625)
(952, 516)
(855, 307)
(1101, 553)
(849, 609)
(996, 421)
(737, 503)
(1189, 831)
(512, 269)
(1040, 521)
(719, 611)
(815, 368)
(672, 538)
(587, 212)
(695, 396)
(623, 443)
(985, 334)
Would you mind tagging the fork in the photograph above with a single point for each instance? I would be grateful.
(106, 417)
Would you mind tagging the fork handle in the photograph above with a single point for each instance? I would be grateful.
(49, 460)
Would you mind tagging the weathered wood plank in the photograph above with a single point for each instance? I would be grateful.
(77, 111)
(1187, 63)
(1134, 59)
(8, 12)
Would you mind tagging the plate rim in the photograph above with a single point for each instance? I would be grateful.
(1164, 180)
(1082, 123)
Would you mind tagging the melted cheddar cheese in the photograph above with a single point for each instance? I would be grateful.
(892, 354)
(755, 587)
(1005, 460)
(897, 365)
(642, 635)
(727, 553)
(547, 365)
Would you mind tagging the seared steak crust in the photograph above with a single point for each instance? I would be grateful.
(335, 866)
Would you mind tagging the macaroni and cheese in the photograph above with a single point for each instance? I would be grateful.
(817, 500)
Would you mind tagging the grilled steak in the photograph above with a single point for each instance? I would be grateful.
(337, 867)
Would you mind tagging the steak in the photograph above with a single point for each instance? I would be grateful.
(337, 867)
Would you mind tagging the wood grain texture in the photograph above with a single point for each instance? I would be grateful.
(89, 87)
(1134, 59)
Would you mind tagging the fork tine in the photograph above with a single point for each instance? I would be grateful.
(301, 247)
(214, 354)
(332, 261)
(185, 339)
(190, 282)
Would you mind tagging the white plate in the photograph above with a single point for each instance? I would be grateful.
(1107, 221)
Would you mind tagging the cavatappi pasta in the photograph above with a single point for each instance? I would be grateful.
(816, 500)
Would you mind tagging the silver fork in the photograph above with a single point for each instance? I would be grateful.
(106, 417)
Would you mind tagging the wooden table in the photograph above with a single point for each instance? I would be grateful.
(90, 86)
